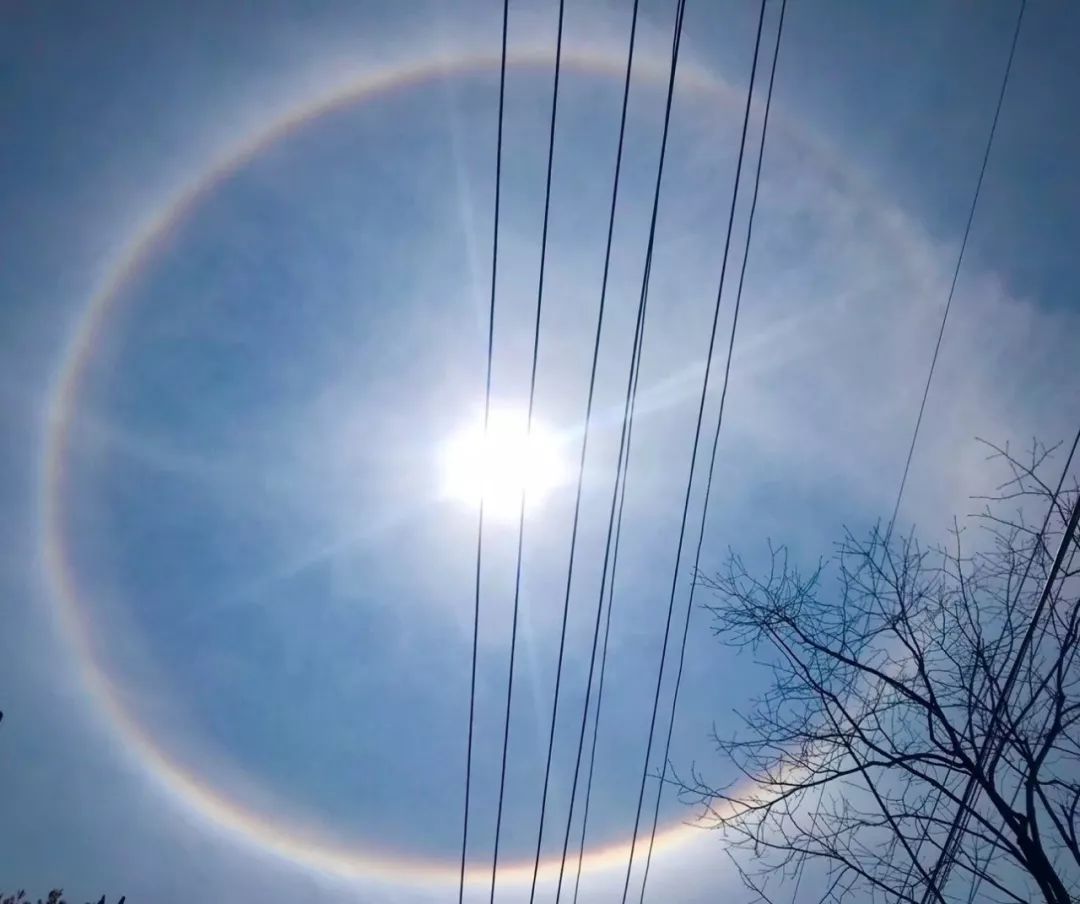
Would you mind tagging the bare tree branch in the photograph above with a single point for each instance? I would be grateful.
(887, 663)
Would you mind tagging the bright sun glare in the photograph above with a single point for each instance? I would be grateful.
(499, 466)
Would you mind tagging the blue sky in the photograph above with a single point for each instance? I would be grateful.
(274, 586)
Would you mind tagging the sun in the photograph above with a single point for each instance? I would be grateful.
(512, 458)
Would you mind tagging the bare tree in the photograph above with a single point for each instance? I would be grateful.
(55, 897)
(911, 741)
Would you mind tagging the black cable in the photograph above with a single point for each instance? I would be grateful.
(941, 334)
(585, 439)
(960, 258)
(628, 431)
(693, 457)
(716, 434)
(528, 432)
(487, 412)
(641, 324)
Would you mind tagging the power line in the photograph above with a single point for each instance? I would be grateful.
(941, 334)
(487, 412)
(716, 434)
(693, 454)
(528, 432)
(960, 258)
(588, 411)
(926, 391)
(628, 432)
(638, 336)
